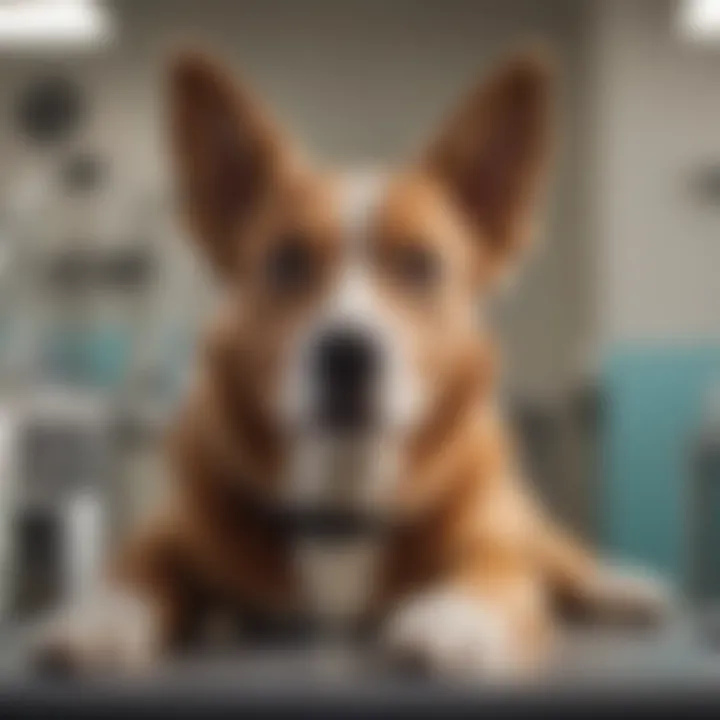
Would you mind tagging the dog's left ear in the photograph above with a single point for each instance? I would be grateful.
(492, 154)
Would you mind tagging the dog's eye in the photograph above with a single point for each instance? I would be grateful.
(289, 265)
(418, 268)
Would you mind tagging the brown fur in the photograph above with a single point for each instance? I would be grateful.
(468, 522)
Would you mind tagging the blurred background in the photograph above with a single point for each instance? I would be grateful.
(612, 339)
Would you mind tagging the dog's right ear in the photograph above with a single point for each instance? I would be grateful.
(228, 155)
(492, 155)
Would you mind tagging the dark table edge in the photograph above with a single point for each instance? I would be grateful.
(604, 699)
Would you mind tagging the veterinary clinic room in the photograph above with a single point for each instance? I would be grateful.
(359, 354)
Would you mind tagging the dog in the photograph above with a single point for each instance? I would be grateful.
(342, 454)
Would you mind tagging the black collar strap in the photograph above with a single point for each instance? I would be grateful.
(326, 524)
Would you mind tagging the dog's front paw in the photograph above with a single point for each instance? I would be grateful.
(451, 633)
(627, 594)
(113, 632)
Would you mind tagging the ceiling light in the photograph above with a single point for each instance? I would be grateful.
(700, 19)
(53, 23)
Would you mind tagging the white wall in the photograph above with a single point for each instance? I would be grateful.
(358, 79)
(657, 108)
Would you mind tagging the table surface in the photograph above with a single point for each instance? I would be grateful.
(685, 649)
(674, 671)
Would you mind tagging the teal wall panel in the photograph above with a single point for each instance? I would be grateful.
(653, 402)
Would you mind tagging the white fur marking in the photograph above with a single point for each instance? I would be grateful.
(362, 472)
(338, 577)
(457, 634)
(345, 473)
(354, 298)
(114, 628)
(362, 192)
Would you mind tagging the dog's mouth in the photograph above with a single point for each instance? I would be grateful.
(347, 414)
(335, 479)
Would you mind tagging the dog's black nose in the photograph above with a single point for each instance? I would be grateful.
(347, 359)
(347, 363)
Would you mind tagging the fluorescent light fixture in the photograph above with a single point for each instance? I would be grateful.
(52, 23)
(700, 19)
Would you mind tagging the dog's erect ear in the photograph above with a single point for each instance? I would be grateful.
(227, 153)
(491, 155)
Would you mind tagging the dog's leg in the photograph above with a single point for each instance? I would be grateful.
(127, 623)
(117, 628)
(492, 616)
(488, 619)
(600, 590)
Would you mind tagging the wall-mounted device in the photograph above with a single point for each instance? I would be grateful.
(50, 110)
(61, 454)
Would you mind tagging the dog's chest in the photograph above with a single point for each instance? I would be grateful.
(338, 579)
(339, 573)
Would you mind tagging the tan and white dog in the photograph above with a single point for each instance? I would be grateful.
(342, 454)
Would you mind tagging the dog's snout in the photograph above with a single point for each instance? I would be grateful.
(347, 364)
(347, 359)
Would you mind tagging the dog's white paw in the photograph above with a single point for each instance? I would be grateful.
(113, 631)
(632, 594)
(451, 633)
